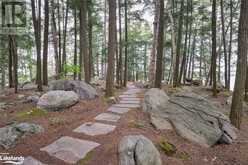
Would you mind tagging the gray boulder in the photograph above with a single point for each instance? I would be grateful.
(4, 105)
(29, 86)
(84, 90)
(138, 150)
(32, 99)
(192, 116)
(154, 99)
(57, 100)
(11, 133)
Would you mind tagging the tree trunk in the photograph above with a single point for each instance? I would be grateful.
(55, 40)
(59, 40)
(3, 78)
(174, 47)
(246, 85)
(75, 44)
(193, 58)
(188, 58)
(10, 67)
(238, 94)
(230, 44)
(182, 70)
(111, 48)
(224, 43)
(104, 58)
(37, 32)
(64, 40)
(154, 45)
(91, 63)
(45, 45)
(13, 52)
(160, 44)
(201, 56)
(126, 46)
(119, 66)
(84, 45)
(145, 62)
(179, 42)
(214, 53)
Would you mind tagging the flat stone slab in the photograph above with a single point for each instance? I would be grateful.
(118, 110)
(129, 102)
(129, 92)
(31, 161)
(108, 117)
(127, 105)
(69, 149)
(130, 99)
(93, 129)
(128, 96)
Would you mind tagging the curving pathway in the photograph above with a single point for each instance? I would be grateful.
(71, 150)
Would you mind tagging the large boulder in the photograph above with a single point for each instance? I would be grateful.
(29, 86)
(84, 90)
(192, 116)
(11, 133)
(57, 100)
(138, 150)
(154, 99)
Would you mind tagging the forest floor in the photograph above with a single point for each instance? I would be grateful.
(58, 124)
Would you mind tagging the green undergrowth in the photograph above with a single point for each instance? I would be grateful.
(136, 124)
(171, 150)
(168, 148)
(34, 113)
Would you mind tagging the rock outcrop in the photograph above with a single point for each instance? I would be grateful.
(57, 100)
(138, 150)
(192, 116)
(84, 90)
(10, 134)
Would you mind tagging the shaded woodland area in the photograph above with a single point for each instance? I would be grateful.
(165, 44)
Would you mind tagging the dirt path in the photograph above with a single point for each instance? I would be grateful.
(78, 150)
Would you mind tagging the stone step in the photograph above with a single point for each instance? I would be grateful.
(94, 129)
(128, 96)
(118, 110)
(108, 117)
(69, 149)
(130, 99)
(32, 161)
(129, 102)
(129, 92)
(127, 105)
